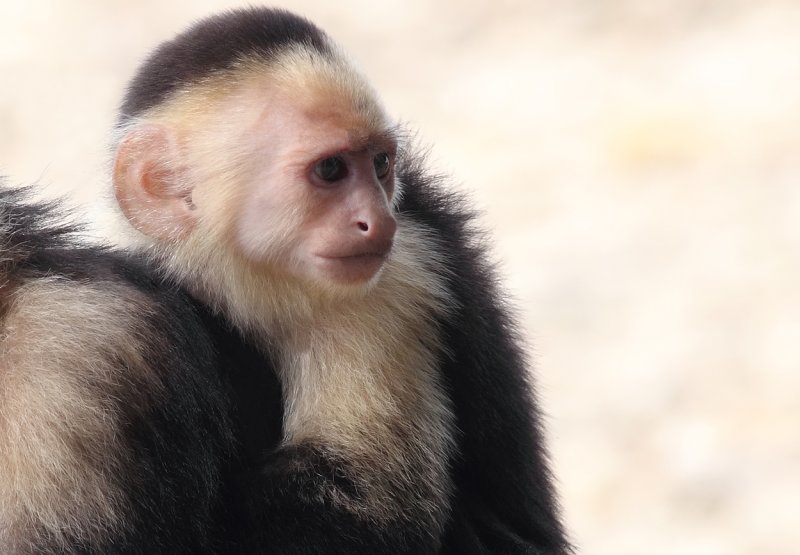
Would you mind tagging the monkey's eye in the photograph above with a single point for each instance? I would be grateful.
(382, 164)
(331, 169)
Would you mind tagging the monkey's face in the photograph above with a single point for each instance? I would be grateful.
(299, 180)
(318, 198)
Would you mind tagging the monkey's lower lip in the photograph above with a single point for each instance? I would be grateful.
(354, 267)
(370, 252)
(364, 256)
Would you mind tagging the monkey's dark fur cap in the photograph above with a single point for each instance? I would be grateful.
(212, 45)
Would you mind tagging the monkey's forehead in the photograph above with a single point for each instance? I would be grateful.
(320, 107)
(217, 44)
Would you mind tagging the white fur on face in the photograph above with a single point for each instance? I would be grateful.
(247, 141)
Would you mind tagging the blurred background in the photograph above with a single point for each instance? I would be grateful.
(638, 164)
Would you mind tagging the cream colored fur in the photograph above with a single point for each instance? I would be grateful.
(61, 459)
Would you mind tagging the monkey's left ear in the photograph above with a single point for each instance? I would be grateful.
(150, 186)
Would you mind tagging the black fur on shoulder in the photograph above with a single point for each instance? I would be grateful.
(505, 502)
(213, 45)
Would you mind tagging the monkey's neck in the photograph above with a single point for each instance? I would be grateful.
(357, 369)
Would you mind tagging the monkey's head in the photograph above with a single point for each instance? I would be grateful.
(251, 133)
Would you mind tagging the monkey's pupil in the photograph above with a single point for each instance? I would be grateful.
(381, 162)
(331, 169)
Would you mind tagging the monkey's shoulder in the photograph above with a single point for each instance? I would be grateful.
(462, 249)
(67, 307)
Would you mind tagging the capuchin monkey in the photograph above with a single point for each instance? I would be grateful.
(304, 351)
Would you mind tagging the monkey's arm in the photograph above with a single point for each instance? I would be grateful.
(301, 511)
(504, 502)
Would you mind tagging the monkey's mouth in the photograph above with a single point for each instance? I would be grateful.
(373, 252)
(354, 267)
(364, 256)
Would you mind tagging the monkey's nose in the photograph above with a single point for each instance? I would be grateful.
(377, 229)
(383, 224)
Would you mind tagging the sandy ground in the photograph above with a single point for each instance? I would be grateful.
(639, 165)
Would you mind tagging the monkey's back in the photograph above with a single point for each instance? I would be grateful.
(113, 418)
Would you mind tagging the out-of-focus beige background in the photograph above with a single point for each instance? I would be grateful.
(639, 165)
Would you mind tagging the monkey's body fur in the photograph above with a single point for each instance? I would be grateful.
(144, 411)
